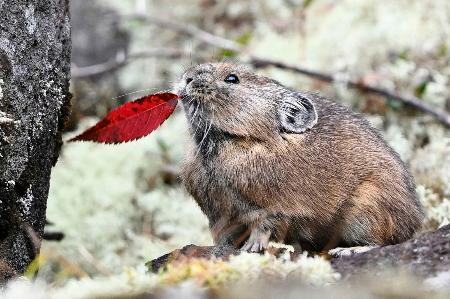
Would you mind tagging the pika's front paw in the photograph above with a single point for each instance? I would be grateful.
(257, 242)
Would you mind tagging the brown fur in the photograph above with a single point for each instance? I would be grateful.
(337, 182)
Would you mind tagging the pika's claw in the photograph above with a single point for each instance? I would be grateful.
(257, 242)
(347, 251)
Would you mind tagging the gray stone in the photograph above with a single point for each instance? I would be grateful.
(424, 256)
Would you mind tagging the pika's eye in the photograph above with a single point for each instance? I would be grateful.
(188, 80)
(232, 78)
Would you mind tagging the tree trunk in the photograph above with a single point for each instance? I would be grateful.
(34, 103)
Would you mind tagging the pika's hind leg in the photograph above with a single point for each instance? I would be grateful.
(347, 251)
(370, 219)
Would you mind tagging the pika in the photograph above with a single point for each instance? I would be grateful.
(271, 163)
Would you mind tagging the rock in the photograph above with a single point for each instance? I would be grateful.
(192, 251)
(424, 256)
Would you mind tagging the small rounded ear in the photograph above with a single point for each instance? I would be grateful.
(296, 114)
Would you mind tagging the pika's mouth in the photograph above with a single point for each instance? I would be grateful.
(196, 99)
(196, 113)
(190, 105)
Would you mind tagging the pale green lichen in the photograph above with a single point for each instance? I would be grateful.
(1, 90)
(194, 273)
(437, 208)
(23, 288)
(367, 38)
(308, 270)
(397, 139)
(431, 163)
(129, 283)
(30, 19)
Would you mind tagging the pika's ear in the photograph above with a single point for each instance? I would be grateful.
(296, 114)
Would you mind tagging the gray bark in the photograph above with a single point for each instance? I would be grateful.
(34, 103)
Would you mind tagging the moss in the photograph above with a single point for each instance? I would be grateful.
(431, 163)
(1, 90)
(204, 273)
(437, 208)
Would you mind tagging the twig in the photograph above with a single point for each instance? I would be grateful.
(33, 238)
(123, 60)
(412, 101)
(53, 236)
(93, 261)
(188, 29)
(66, 265)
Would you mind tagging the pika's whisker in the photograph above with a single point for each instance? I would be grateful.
(199, 120)
(133, 92)
(190, 101)
(208, 128)
(194, 114)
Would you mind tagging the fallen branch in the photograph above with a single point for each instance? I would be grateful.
(53, 236)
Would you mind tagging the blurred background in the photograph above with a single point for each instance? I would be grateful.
(120, 206)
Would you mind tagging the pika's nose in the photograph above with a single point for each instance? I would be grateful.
(198, 83)
(201, 79)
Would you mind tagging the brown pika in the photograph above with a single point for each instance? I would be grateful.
(271, 163)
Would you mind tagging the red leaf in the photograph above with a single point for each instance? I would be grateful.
(132, 120)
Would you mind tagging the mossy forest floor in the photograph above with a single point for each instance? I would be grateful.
(121, 206)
